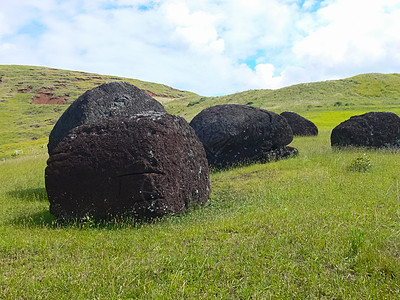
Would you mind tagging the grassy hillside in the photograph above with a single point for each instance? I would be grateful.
(26, 118)
(303, 228)
(362, 92)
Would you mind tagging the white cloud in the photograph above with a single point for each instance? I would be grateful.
(197, 28)
(210, 47)
(309, 4)
(264, 74)
(354, 37)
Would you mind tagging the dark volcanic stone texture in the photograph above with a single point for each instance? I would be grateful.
(147, 165)
(111, 99)
(300, 125)
(373, 129)
(234, 134)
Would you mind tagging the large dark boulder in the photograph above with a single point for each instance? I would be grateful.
(109, 100)
(146, 165)
(236, 134)
(300, 125)
(373, 129)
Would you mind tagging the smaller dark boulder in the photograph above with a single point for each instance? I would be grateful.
(300, 125)
(238, 134)
(146, 166)
(109, 100)
(373, 129)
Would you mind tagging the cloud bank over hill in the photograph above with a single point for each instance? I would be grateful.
(209, 47)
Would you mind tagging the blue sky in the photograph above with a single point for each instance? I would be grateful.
(209, 47)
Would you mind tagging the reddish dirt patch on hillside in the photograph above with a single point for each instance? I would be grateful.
(47, 99)
(45, 91)
(46, 96)
(157, 95)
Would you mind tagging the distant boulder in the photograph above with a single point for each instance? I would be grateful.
(373, 129)
(300, 125)
(146, 166)
(234, 134)
(109, 100)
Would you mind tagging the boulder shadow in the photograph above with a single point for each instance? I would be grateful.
(42, 219)
(32, 194)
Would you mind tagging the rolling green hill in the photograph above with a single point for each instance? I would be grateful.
(26, 118)
(361, 92)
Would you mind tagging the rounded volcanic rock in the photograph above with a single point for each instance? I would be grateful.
(109, 100)
(234, 134)
(373, 129)
(300, 125)
(146, 166)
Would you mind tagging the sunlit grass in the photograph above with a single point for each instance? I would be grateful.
(297, 228)
(306, 227)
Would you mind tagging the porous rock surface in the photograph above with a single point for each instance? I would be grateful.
(109, 100)
(373, 129)
(300, 125)
(146, 165)
(234, 134)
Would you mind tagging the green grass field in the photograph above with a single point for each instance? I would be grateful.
(306, 227)
(303, 228)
